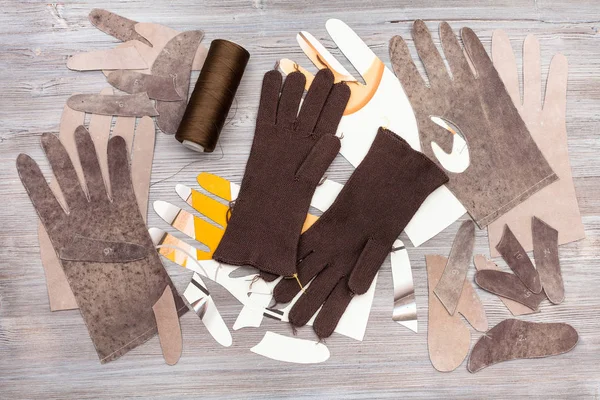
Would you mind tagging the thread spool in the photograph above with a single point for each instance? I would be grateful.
(213, 95)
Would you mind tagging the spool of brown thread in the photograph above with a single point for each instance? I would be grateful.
(213, 95)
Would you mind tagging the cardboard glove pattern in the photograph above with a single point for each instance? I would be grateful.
(505, 165)
(290, 153)
(344, 249)
(105, 251)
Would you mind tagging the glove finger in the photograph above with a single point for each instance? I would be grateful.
(269, 97)
(90, 164)
(125, 127)
(476, 52)
(318, 160)
(532, 74)
(316, 98)
(142, 157)
(115, 25)
(555, 103)
(288, 66)
(405, 68)
(369, 262)
(118, 169)
(505, 63)
(454, 54)
(289, 101)
(332, 310)
(430, 56)
(45, 203)
(333, 110)
(316, 294)
(208, 207)
(63, 170)
(99, 129)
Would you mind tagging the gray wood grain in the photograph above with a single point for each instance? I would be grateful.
(49, 355)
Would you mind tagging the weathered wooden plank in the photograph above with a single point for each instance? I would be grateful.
(49, 355)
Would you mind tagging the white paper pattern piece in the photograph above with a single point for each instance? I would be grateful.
(292, 350)
(405, 306)
(203, 304)
(381, 102)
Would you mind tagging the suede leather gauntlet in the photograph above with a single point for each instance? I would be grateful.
(344, 249)
(290, 153)
(505, 166)
(103, 244)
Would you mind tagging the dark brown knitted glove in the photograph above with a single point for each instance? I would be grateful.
(344, 249)
(290, 153)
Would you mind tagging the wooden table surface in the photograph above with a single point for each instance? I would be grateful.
(50, 355)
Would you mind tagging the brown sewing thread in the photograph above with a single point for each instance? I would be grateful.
(212, 96)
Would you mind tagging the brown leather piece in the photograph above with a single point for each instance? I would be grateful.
(450, 286)
(167, 323)
(157, 87)
(448, 337)
(128, 105)
(517, 259)
(176, 60)
(545, 252)
(516, 308)
(506, 166)
(114, 298)
(119, 27)
(510, 286)
(557, 203)
(513, 339)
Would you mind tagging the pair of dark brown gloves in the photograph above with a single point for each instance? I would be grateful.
(342, 252)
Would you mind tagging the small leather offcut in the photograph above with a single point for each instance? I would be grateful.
(517, 259)
(117, 58)
(167, 323)
(513, 339)
(483, 263)
(506, 166)
(104, 251)
(157, 87)
(545, 252)
(115, 25)
(448, 337)
(128, 105)
(176, 60)
(510, 286)
(450, 286)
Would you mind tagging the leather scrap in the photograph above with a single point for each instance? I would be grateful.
(157, 87)
(125, 57)
(115, 25)
(510, 286)
(176, 60)
(167, 323)
(450, 286)
(517, 259)
(545, 252)
(516, 308)
(129, 105)
(513, 339)
(448, 337)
